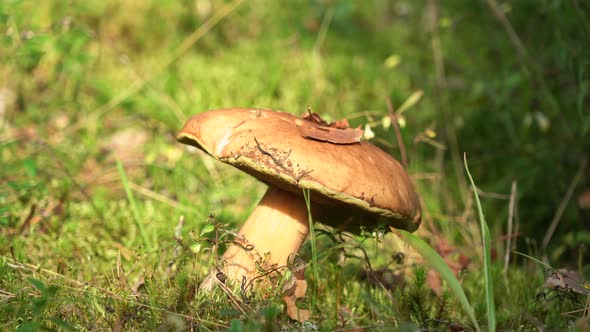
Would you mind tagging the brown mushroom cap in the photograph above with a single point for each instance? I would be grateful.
(269, 145)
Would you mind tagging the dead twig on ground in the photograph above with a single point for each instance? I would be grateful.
(398, 134)
(511, 210)
(564, 202)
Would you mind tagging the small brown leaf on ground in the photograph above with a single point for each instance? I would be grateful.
(295, 288)
(566, 279)
(295, 313)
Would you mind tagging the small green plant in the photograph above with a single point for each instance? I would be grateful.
(487, 261)
(134, 209)
(38, 307)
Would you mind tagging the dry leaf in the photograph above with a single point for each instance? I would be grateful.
(295, 313)
(331, 135)
(340, 124)
(295, 288)
(566, 279)
(315, 118)
(339, 132)
(296, 291)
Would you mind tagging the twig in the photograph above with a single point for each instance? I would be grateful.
(27, 223)
(493, 195)
(232, 297)
(529, 66)
(370, 270)
(276, 161)
(563, 204)
(323, 29)
(511, 206)
(398, 134)
(441, 88)
(159, 197)
(280, 163)
(501, 17)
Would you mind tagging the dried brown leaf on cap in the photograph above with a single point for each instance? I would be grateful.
(339, 132)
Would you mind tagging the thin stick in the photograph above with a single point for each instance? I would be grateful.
(501, 17)
(160, 198)
(398, 134)
(513, 194)
(323, 29)
(442, 96)
(563, 204)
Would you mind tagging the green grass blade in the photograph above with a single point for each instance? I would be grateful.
(134, 209)
(486, 242)
(438, 263)
(547, 266)
(314, 252)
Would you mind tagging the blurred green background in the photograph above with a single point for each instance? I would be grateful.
(84, 83)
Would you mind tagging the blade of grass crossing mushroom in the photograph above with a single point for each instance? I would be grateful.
(435, 261)
(134, 209)
(314, 252)
(547, 266)
(486, 243)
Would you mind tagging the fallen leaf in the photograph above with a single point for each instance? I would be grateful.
(339, 132)
(315, 118)
(340, 124)
(566, 279)
(295, 288)
(331, 135)
(295, 313)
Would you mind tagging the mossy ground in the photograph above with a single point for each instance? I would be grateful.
(86, 84)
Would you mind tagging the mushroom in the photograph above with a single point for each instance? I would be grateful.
(350, 185)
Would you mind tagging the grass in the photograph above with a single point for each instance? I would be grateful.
(105, 219)
(486, 244)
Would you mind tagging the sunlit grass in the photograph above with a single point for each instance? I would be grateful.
(91, 243)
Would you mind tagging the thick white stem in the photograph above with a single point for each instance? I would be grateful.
(276, 228)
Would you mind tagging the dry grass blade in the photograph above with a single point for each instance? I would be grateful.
(487, 260)
(564, 202)
(159, 197)
(511, 209)
(398, 134)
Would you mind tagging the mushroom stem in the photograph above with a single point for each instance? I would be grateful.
(276, 228)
